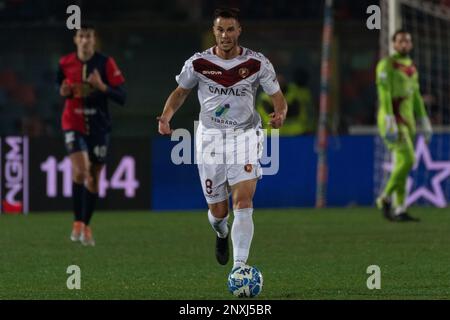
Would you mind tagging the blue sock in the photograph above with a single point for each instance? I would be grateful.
(77, 197)
(90, 199)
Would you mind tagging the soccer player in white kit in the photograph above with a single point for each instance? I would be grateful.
(228, 77)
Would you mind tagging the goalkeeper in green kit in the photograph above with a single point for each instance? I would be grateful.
(401, 105)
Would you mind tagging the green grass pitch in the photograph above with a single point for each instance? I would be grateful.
(302, 253)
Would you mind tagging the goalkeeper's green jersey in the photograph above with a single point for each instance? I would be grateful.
(398, 92)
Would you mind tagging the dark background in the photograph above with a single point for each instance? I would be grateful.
(150, 41)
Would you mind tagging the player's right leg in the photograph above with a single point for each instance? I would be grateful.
(218, 218)
(79, 160)
(384, 202)
(403, 159)
(216, 192)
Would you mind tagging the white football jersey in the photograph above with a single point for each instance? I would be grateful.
(227, 88)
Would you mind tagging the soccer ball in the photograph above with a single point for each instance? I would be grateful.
(245, 282)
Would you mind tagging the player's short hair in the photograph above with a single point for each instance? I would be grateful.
(399, 31)
(227, 13)
(86, 27)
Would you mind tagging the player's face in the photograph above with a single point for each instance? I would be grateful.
(227, 32)
(85, 40)
(403, 43)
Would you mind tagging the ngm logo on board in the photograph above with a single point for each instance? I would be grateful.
(14, 175)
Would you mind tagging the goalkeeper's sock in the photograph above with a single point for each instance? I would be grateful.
(399, 210)
(77, 197)
(385, 196)
(90, 199)
(242, 234)
(220, 225)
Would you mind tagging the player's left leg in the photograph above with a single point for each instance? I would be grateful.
(403, 166)
(242, 177)
(399, 174)
(98, 148)
(243, 228)
(218, 218)
(91, 195)
(403, 156)
(77, 149)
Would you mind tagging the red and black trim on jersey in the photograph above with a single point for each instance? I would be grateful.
(89, 113)
(408, 70)
(224, 77)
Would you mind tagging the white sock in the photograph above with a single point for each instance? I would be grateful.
(219, 225)
(241, 235)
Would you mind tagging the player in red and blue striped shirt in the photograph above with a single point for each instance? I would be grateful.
(87, 80)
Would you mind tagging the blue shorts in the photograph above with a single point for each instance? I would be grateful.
(95, 145)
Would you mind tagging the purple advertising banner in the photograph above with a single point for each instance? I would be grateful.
(14, 187)
(36, 175)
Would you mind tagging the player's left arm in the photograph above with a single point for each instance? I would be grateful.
(419, 106)
(270, 85)
(421, 113)
(114, 86)
(280, 109)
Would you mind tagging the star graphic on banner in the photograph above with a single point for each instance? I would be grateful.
(434, 195)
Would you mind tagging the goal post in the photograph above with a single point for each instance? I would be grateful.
(322, 132)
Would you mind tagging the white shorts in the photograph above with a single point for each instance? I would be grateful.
(224, 161)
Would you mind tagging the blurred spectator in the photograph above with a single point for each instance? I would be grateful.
(35, 40)
(445, 3)
(32, 126)
(438, 115)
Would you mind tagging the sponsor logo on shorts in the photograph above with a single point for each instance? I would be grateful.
(215, 195)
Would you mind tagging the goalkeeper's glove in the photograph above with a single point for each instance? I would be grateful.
(425, 128)
(391, 128)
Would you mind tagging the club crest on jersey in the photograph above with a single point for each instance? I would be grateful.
(244, 72)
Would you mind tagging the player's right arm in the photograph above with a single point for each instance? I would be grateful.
(384, 86)
(187, 79)
(384, 89)
(64, 89)
(173, 103)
